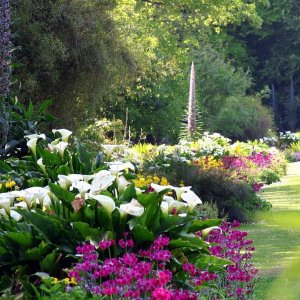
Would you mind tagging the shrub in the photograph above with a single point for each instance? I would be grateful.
(243, 118)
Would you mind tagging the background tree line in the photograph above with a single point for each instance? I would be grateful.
(99, 58)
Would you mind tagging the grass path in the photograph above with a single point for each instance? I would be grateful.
(276, 236)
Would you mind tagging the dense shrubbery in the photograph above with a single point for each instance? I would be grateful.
(57, 198)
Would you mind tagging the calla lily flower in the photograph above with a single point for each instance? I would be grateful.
(81, 186)
(65, 181)
(164, 207)
(178, 205)
(180, 191)
(109, 149)
(58, 148)
(158, 188)
(116, 167)
(35, 136)
(41, 165)
(191, 199)
(133, 208)
(101, 183)
(5, 203)
(42, 194)
(31, 144)
(15, 215)
(107, 202)
(65, 134)
(122, 183)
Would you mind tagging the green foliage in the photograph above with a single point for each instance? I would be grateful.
(69, 51)
(243, 118)
(22, 120)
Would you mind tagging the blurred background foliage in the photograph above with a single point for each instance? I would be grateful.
(101, 59)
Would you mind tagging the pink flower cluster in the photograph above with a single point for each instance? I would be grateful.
(149, 274)
(233, 245)
(248, 168)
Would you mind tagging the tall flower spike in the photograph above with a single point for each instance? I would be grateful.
(5, 48)
(192, 123)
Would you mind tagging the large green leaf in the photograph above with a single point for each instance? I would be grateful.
(213, 263)
(4, 167)
(128, 194)
(65, 196)
(22, 238)
(48, 226)
(5, 283)
(142, 234)
(48, 263)
(198, 225)
(86, 231)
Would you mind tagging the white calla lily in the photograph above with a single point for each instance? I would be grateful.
(116, 167)
(109, 149)
(133, 208)
(5, 204)
(65, 181)
(164, 207)
(31, 144)
(101, 183)
(41, 165)
(178, 205)
(81, 186)
(158, 188)
(39, 192)
(180, 191)
(122, 183)
(107, 202)
(191, 199)
(35, 136)
(65, 134)
(15, 215)
(58, 148)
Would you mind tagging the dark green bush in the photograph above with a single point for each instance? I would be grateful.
(233, 198)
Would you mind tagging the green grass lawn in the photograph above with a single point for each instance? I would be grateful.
(276, 236)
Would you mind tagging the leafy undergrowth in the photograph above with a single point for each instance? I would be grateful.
(276, 236)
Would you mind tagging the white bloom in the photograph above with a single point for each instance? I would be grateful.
(180, 190)
(133, 208)
(42, 194)
(65, 134)
(35, 136)
(58, 148)
(65, 181)
(122, 183)
(31, 144)
(101, 183)
(116, 167)
(107, 202)
(81, 186)
(191, 199)
(138, 191)
(41, 165)
(178, 205)
(109, 149)
(5, 203)
(15, 215)
(164, 207)
(158, 188)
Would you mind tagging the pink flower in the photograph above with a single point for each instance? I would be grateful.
(161, 294)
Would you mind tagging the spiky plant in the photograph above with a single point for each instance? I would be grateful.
(5, 48)
(193, 125)
(5, 67)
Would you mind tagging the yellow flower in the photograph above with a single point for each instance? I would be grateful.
(55, 280)
(20, 199)
(66, 280)
(10, 184)
(181, 184)
(73, 280)
(164, 181)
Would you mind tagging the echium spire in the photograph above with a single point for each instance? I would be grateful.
(192, 123)
(5, 48)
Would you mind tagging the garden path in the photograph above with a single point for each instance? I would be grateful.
(276, 236)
